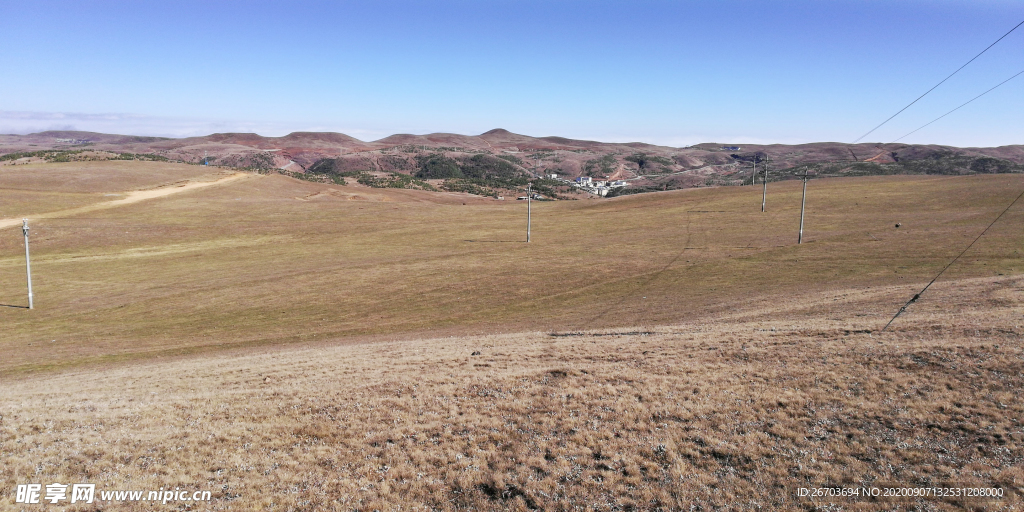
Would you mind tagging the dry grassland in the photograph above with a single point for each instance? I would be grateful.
(127, 198)
(27, 190)
(298, 346)
(271, 260)
(719, 414)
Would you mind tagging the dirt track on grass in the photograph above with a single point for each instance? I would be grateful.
(131, 197)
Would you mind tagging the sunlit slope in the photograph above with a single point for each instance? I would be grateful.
(27, 190)
(275, 260)
(726, 415)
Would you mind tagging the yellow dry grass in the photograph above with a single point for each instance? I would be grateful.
(28, 190)
(274, 260)
(718, 414)
(298, 346)
(128, 198)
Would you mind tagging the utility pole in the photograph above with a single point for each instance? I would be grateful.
(764, 191)
(529, 207)
(803, 203)
(753, 172)
(28, 264)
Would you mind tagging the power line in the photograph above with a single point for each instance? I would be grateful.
(938, 84)
(918, 295)
(958, 108)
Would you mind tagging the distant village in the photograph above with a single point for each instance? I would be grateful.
(588, 184)
(584, 183)
(602, 187)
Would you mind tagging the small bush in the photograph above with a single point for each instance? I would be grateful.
(437, 166)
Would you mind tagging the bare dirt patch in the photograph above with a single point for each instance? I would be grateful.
(130, 197)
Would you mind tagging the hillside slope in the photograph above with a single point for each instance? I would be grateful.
(644, 167)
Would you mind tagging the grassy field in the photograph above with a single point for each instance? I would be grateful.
(732, 414)
(275, 260)
(37, 188)
(299, 346)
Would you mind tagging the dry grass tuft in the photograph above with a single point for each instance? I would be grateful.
(731, 414)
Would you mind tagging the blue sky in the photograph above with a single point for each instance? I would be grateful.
(673, 73)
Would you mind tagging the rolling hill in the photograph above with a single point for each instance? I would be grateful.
(643, 167)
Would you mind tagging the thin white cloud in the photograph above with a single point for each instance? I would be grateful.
(689, 140)
(15, 122)
(20, 122)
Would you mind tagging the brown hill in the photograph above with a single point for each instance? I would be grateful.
(645, 166)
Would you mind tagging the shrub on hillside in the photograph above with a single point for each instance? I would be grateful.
(600, 166)
(987, 165)
(489, 171)
(512, 158)
(437, 166)
(82, 154)
(549, 187)
(393, 180)
(467, 186)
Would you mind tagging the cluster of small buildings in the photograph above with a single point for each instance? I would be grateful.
(587, 184)
(598, 187)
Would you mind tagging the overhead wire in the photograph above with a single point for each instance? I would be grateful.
(938, 84)
(958, 108)
(676, 258)
(918, 295)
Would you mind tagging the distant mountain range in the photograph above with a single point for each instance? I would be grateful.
(644, 166)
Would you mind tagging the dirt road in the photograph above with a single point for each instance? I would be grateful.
(131, 197)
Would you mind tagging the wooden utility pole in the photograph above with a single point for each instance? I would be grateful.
(803, 203)
(28, 263)
(529, 206)
(753, 172)
(764, 191)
